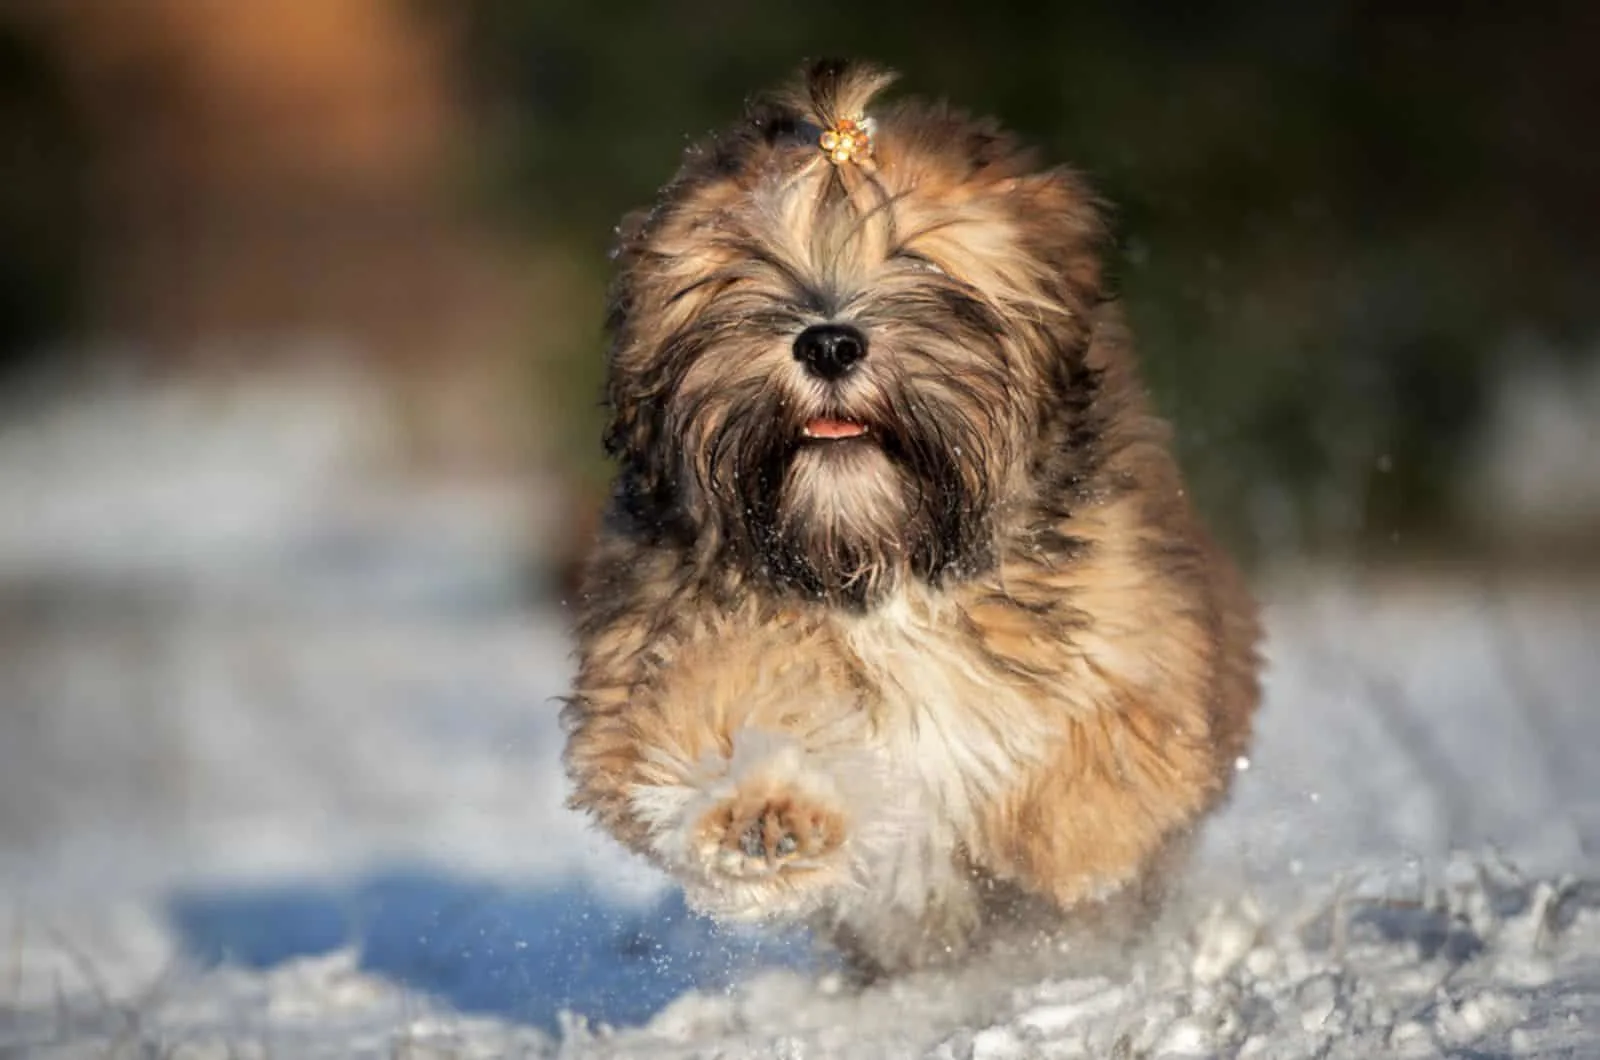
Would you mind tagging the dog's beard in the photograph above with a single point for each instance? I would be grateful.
(846, 520)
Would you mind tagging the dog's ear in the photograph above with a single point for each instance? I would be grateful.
(636, 434)
(629, 432)
(633, 437)
(634, 422)
(1065, 229)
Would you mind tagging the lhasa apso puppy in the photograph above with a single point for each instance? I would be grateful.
(900, 619)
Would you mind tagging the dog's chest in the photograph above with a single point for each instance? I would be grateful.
(954, 729)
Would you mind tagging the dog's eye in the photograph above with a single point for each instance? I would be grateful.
(778, 127)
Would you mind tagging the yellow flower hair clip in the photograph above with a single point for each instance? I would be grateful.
(850, 140)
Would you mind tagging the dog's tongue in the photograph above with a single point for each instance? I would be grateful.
(821, 428)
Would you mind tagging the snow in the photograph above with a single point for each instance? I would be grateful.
(278, 777)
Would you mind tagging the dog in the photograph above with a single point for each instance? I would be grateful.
(900, 620)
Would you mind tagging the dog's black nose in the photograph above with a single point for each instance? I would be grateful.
(829, 351)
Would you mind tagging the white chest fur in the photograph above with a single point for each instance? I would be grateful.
(952, 730)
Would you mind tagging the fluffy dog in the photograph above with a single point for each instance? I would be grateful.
(900, 619)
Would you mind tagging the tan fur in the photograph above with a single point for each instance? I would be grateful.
(899, 753)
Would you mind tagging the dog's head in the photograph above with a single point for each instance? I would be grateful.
(847, 338)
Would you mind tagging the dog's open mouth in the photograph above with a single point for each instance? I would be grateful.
(830, 430)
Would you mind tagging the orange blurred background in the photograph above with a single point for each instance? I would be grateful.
(261, 174)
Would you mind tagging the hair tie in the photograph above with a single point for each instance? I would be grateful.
(850, 140)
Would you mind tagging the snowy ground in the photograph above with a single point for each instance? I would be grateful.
(278, 778)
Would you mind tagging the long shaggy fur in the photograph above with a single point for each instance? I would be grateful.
(900, 685)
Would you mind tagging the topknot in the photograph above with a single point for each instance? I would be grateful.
(836, 90)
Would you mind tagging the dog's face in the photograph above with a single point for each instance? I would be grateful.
(841, 371)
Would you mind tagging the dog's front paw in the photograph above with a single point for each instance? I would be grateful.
(758, 834)
(774, 831)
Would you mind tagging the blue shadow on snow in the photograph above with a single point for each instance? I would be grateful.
(520, 955)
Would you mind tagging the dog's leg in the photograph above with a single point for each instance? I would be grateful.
(1122, 787)
(748, 771)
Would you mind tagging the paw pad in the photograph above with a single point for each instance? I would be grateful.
(776, 831)
(751, 842)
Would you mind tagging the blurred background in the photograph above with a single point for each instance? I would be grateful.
(300, 355)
